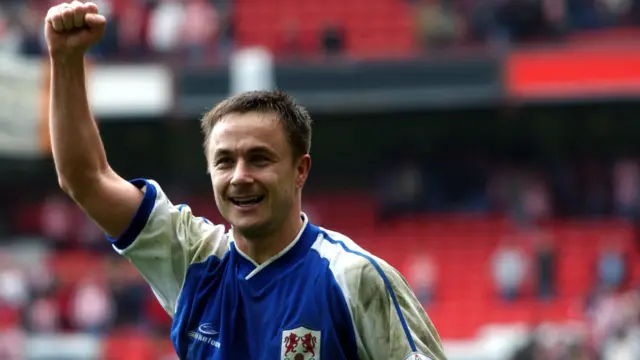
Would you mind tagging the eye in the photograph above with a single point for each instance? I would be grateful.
(260, 160)
(222, 162)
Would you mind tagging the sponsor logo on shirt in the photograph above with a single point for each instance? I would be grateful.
(205, 334)
(207, 329)
(300, 344)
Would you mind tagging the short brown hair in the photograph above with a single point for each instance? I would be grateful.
(294, 117)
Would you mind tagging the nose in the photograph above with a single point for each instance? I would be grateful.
(241, 174)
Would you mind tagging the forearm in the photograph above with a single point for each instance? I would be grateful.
(78, 152)
(77, 149)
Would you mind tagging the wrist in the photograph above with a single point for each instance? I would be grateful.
(66, 59)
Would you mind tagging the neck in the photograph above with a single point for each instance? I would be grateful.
(265, 247)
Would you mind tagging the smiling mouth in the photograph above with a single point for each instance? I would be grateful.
(246, 201)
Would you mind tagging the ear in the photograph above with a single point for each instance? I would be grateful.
(302, 170)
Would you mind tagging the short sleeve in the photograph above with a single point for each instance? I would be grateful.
(162, 240)
(388, 317)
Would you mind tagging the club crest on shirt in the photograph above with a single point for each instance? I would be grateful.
(417, 356)
(300, 344)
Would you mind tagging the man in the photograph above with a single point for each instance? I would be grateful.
(274, 286)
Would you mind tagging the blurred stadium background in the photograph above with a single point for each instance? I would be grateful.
(487, 149)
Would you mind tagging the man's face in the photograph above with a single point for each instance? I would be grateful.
(255, 179)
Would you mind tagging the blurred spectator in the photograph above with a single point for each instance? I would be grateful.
(109, 45)
(401, 190)
(226, 34)
(595, 177)
(482, 22)
(438, 25)
(545, 256)
(606, 316)
(91, 237)
(56, 218)
(13, 284)
(524, 195)
(41, 280)
(165, 22)
(32, 36)
(555, 17)
(626, 188)
(584, 14)
(620, 346)
(615, 11)
(611, 265)
(129, 294)
(523, 19)
(421, 275)
(509, 269)
(535, 200)
(333, 40)
(7, 33)
(43, 316)
(200, 29)
(91, 306)
(133, 25)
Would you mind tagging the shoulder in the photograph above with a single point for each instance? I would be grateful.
(159, 223)
(356, 270)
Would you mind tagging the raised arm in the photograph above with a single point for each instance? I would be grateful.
(80, 160)
(160, 239)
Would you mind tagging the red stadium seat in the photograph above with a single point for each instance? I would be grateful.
(378, 28)
(128, 347)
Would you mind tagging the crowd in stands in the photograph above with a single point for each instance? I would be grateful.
(611, 331)
(205, 31)
(611, 310)
(68, 280)
(528, 193)
(139, 29)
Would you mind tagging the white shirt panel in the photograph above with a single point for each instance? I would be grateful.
(380, 334)
(172, 239)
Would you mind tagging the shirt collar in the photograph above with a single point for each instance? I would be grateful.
(296, 250)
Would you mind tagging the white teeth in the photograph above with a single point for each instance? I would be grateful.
(246, 201)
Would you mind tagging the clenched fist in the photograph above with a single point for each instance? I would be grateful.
(72, 28)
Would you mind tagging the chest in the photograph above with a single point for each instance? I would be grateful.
(301, 315)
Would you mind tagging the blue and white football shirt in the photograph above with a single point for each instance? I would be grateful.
(321, 298)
